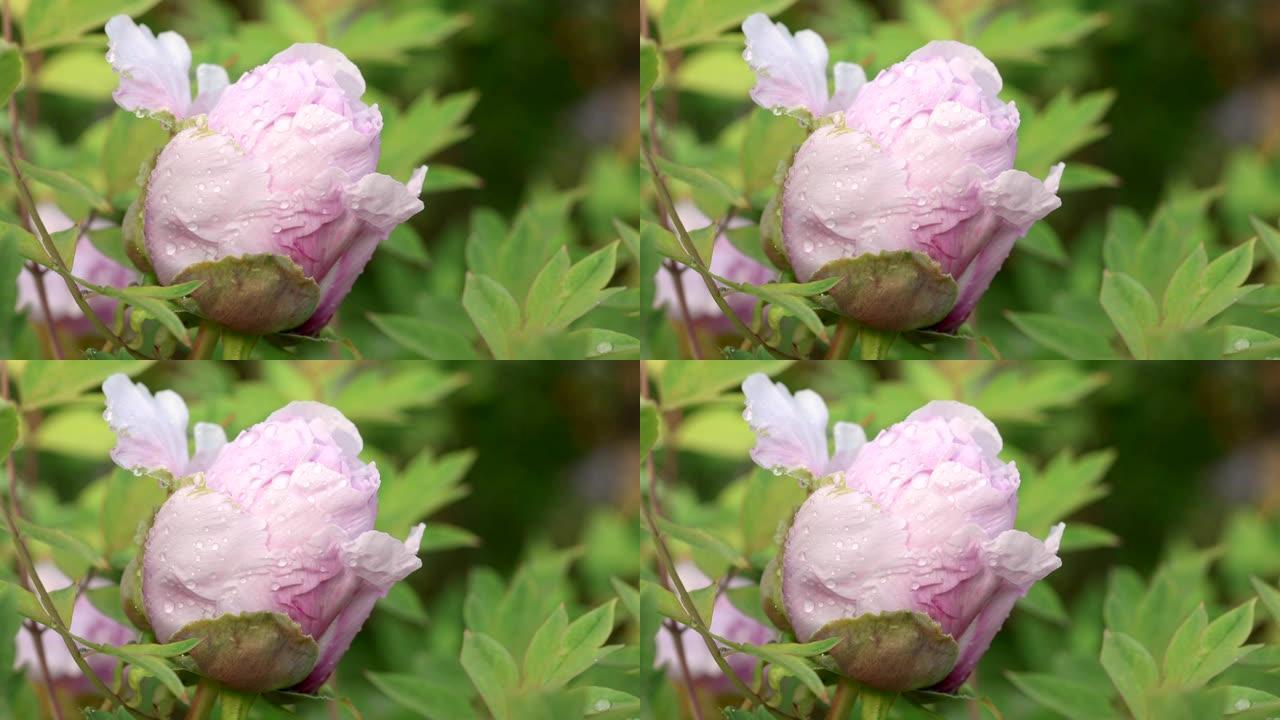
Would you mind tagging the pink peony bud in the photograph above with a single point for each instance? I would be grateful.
(728, 622)
(280, 520)
(727, 261)
(282, 166)
(89, 264)
(917, 161)
(87, 622)
(918, 520)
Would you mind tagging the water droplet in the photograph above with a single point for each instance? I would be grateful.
(200, 187)
(921, 562)
(217, 188)
(910, 71)
(808, 246)
(602, 705)
(281, 562)
(169, 249)
(920, 201)
(604, 348)
(808, 606)
(915, 226)
(1240, 344)
(1243, 704)
(282, 124)
(275, 586)
(273, 73)
(839, 543)
(919, 121)
(276, 229)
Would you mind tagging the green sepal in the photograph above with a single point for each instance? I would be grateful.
(771, 234)
(894, 651)
(900, 290)
(253, 294)
(251, 652)
(133, 231)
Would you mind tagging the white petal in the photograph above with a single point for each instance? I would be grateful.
(209, 441)
(380, 559)
(151, 432)
(153, 70)
(383, 201)
(791, 432)
(849, 80)
(964, 60)
(1020, 198)
(329, 60)
(211, 80)
(791, 72)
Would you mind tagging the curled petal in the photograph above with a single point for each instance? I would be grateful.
(1020, 199)
(1013, 562)
(209, 441)
(849, 80)
(791, 72)
(850, 438)
(327, 61)
(965, 421)
(384, 202)
(153, 70)
(791, 431)
(211, 80)
(151, 431)
(376, 562)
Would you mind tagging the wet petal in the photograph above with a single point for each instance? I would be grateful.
(151, 431)
(791, 431)
(153, 70)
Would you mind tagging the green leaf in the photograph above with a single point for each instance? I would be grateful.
(427, 484)
(58, 22)
(561, 294)
(156, 308)
(1131, 668)
(1041, 600)
(492, 671)
(61, 540)
(425, 337)
(580, 646)
(1024, 36)
(686, 22)
(1060, 128)
(648, 66)
(716, 71)
(793, 304)
(30, 607)
(157, 667)
(702, 540)
(650, 426)
(494, 312)
(797, 666)
(1071, 698)
(1131, 308)
(387, 36)
(683, 384)
(10, 70)
(131, 145)
(1064, 485)
(701, 180)
(1270, 238)
(427, 126)
(8, 428)
(1270, 597)
(66, 188)
(544, 649)
(424, 695)
(770, 141)
(1197, 653)
(1065, 336)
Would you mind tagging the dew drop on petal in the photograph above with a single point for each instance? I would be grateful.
(808, 606)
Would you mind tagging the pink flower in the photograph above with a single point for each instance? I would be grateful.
(728, 622)
(920, 159)
(919, 519)
(278, 520)
(283, 163)
(87, 622)
(88, 264)
(727, 262)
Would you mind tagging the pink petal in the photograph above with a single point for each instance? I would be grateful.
(205, 556)
(151, 432)
(791, 72)
(153, 70)
(791, 431)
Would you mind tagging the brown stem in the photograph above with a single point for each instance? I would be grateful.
(842, 703)
(45, 675)
(205, 340)
(682, 235)
(846, 333)
(55, 344)
(677, 637)
(690, 329)
(202, 703)
(59, 265)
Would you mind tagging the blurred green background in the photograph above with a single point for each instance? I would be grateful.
(1145, 462)
(543, 455)
(1150, 99)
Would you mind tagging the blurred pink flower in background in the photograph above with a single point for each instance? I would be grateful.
(278, 520)
(921, 518)
(87, 622)
(919, 159)
(88, 264)
(283, 163)
(727, 261)
(728, 622)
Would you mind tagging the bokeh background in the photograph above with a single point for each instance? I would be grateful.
(1156, 462)
(1163, 97)
(544, 454)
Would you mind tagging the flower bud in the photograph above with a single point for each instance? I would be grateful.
(907, 549)
(88, 264)
(87, 622)
(727, 621)
(267, 551)
(269, 195)
(727, 262)
(913, 169)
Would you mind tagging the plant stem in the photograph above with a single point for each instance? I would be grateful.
(846, 333)
(205, 340)
(686, 602)
(686, 244)
(876, 343)
(677, 638)
(690, 329)
(842, 703)
(51, 249)
(202, 702)
(38, 643)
